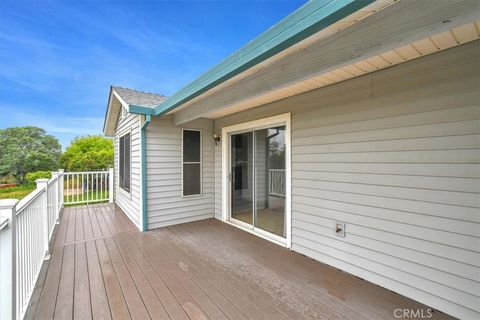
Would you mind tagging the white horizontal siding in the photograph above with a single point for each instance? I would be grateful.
(396, 156)
(129, 202)
(165, 204)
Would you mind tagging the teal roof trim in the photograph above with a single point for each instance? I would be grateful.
(141, 109)
(312, 17)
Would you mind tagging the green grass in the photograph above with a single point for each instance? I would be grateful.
(17, 192)
(21, 191)
(92, 195)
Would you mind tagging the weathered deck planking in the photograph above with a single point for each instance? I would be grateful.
(98, 295)
(103, 268)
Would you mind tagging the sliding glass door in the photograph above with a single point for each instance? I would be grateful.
(258, 180)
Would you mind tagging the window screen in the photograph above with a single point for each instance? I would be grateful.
(192, 162)
(124, 162)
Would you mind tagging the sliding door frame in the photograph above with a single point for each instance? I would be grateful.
(278, 120)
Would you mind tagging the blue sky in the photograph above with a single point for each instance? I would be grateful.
(58, 58)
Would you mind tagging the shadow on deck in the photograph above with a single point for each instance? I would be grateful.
(102, 267)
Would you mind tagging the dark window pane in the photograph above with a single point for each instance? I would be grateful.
(121, 161)
(240, 176)
(124, 162)
(191, 146)
(191, 179)
(127, 163)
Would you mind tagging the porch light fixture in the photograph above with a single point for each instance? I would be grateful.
(216, 138)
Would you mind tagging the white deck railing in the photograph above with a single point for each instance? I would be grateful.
(88, 187)
(26, 228)
(276, 182)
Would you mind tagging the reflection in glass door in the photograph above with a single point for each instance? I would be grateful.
(242, 176)
(270, 180)
(258, 179)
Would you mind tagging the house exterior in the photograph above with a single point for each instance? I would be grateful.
(348, 132)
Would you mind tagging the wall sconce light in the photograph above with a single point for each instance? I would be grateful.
(216, 138)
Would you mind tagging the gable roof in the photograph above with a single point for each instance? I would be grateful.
(138, 98)
(127, 98)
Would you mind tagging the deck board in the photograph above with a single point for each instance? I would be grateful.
(132, 296)
(97, 231)
(181, 294)
(326, 305)
(102, 267)
(171, 304)
(248, 308)
(64, 303)
(98, 294)
(87, 224)
(81, 301)
(70, 234)
(153, 304)
(206, 303)
(48, 297)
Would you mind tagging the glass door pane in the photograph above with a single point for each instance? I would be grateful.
(242, 177)
(270, 180)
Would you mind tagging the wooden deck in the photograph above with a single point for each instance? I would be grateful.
(103, 268)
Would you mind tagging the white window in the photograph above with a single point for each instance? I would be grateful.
(191, 162)
(124, 162)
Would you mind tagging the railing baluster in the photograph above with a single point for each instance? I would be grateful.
(88, 187)
(68, 193)
(70, 188)
(83, 187)
(75, 198)
(96, 184)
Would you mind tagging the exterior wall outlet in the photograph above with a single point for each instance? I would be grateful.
(339, 229)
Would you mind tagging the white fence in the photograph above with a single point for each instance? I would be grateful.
(276, 182)
(26, 228)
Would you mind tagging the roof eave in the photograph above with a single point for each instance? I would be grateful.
(304, 22)
(107, 112)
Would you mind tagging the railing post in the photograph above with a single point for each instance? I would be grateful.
(61, 176)
(8, 261)
(43, 184)
(110, 185)
(56, 176)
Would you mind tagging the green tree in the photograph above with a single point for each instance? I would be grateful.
(88, 154)
(26, 149)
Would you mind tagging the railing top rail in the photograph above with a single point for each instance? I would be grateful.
(52, 180)
(3, 222)
(28, 199)
(85, 172)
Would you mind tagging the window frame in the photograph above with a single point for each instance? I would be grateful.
(122, 188)
(200, 163)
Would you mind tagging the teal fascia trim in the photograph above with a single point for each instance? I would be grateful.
(141, 109)
(312, 17)
(143, 155)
